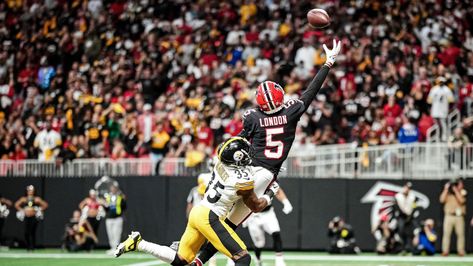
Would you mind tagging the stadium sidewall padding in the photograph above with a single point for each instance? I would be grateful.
(156, 208)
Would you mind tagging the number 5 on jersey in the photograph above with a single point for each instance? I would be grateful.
(214, 194)
(274, 148)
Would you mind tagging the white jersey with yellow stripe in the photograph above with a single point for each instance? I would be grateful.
(221, 192)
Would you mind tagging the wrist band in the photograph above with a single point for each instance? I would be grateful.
(267, 198)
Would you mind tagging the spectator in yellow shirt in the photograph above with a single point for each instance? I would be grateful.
(159, 145)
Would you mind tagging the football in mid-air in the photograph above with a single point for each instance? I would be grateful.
(318, 18)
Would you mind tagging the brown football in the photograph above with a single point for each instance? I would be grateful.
(318, 18)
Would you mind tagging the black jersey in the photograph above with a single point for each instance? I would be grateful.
(272, 135)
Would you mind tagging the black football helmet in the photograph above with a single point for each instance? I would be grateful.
(235, 151)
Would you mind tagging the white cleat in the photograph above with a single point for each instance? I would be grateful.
(130, 244)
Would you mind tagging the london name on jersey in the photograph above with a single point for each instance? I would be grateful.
(273, 121)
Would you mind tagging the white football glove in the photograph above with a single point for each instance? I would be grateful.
(287, 206)
(271, 192)
(331, 55)
(273, 188)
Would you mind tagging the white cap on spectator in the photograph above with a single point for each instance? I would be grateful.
(147, 107)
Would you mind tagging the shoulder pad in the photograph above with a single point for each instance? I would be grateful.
(248, 113)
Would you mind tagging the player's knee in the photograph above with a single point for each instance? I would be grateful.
(259, 243)
(243, 260)
(277, 241)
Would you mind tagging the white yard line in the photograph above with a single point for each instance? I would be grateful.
(377, 258)
(293, 257)
(147, 263)
(69, 256)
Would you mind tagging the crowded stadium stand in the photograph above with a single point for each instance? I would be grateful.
(170, 79)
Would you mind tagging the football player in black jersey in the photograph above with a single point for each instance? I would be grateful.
(271, 128)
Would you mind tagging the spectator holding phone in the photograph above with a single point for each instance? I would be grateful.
(453, 198)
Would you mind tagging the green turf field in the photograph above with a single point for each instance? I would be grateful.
(51, 257)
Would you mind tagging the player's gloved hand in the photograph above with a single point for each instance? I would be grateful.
(331, 55)
(271, 191)
(287, 206)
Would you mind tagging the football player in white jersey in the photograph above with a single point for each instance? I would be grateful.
(232, 180)
(196, 195)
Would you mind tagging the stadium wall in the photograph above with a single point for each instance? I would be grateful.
(156, 207)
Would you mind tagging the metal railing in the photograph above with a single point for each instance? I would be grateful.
(398, 161)
(453, 121)
(418, 160)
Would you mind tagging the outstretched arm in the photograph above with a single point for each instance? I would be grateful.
(287, 206)
(314, 87)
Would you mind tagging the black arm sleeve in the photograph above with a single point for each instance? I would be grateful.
(314, 87)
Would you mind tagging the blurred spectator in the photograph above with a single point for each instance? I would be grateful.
(92, 210)
(30, 209)
(305, 55)
(342, 238)
(405, 203)
(159, 145)
(115, 205)
(409, 132)
(48, 143)
(453, 198)
(388, 240)
(425, 238)
(456, 142)
(458, 139)
(5, 205)
(440, 97)
(235, 126)
(147, 122)
(79, 234)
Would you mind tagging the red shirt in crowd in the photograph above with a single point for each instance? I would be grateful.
(208, 59)
(252, 36)
(464, 92)
(234, 127)
(449, 55)
(392, 111)
(425, 122)
(205, 135)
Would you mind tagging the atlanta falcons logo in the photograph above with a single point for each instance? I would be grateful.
(382, 196)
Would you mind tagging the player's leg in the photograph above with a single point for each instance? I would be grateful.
(135, 242)
(224, 239)
(189, 245)
(271, 226)
(255, 228)
(240, 211)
